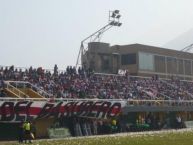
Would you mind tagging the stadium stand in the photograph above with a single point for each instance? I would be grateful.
(83, 84)
(151, 102)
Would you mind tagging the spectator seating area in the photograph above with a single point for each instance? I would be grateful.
(81, 83)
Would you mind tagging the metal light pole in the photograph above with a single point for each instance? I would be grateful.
(187, 48)
(114, 18)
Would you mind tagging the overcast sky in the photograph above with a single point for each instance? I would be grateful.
(48, 32)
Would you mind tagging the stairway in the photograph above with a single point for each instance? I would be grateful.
(14, 92)
(21, 89)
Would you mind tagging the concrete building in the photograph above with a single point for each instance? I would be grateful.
(138, 59)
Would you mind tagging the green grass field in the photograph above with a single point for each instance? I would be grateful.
(152, 138)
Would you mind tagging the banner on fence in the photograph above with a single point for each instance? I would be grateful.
(16, 111)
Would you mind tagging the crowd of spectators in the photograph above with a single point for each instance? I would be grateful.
(81, 83)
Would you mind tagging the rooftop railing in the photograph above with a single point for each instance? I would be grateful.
(129, 103)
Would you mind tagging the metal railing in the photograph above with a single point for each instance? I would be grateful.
(129, 103)
(21, 99)
(160, 103)
(23, 84)
(15, 91)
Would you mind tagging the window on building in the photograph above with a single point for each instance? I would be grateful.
(146, 61)
(105, 62)
(187, 66)
(160, 64)
(171, 65)
(180, 67)
(128, 59)
(192, 67)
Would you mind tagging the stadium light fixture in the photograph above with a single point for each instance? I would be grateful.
(114, 18)
(116, 23)
(113, 15)
(112, 23)
(118, 16)
(116, 11)
(119, 24)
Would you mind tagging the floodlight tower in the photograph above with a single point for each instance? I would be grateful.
(187, 48)
(113, 20)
